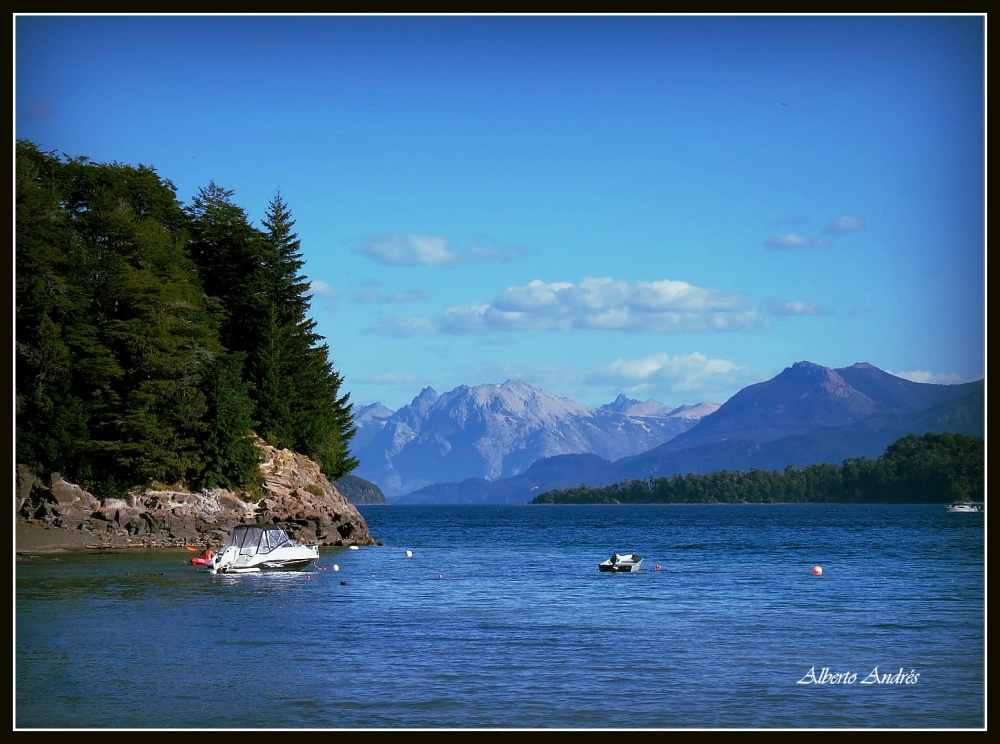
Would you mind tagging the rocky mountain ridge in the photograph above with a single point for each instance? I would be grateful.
(494, 431)
(807, 414)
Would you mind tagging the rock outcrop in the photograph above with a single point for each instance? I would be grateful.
(294, 493)
(359, 491)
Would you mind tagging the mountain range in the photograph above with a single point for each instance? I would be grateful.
(509, 443)
(495, 431)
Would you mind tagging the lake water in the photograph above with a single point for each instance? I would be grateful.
(500, 619)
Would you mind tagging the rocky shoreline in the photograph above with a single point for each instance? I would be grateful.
(55, 515)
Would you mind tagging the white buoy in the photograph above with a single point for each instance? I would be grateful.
(336, 567)
(409, 553)
(355, 547)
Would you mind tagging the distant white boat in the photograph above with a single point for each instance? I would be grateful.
(621, 563)
(261, 547)
(964, 506)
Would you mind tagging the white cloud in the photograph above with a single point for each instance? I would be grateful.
(326, 294)
(402, 327)
(792, 241)
(664, 306)
(430, 250)
(844, 224)
(410, 250)
(673, 375)
(793, 307)
(919, 375)
(321, 288)
(662, 364)
(534, 295)
(464, 320)
(789, 241)
(371, 296)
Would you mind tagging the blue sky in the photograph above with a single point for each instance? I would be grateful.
(670, 207)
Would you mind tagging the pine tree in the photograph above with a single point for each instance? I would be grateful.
(227, 251)
(299, 399)
(286, 288)
(231, 459)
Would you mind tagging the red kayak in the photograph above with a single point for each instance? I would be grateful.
(205, 559)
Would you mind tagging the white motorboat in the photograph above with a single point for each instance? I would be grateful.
(621, 563)
(262, 547)
(964, 506)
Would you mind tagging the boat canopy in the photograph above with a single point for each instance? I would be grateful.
(258, 539)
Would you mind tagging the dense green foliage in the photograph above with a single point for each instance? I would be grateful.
(153, 340)
(935, 468)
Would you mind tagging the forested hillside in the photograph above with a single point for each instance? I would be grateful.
(152, 339)
(931, 469)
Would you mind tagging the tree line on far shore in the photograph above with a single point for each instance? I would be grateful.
(152, 339)
(934, 468)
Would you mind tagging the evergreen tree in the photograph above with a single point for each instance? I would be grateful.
(286, 288)
(230, 456)
(299, 399)
(255, 278)
(284, 330)
(227, 251)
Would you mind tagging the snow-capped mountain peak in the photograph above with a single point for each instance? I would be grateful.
(497, 430)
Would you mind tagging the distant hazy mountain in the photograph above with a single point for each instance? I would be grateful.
(497, 431)
(806, 415)
(810, 414)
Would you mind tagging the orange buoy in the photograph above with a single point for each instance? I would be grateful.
(817, 570)
(658, 567)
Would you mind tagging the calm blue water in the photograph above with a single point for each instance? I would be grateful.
(501, 620)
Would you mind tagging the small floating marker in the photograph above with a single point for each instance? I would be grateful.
(440, 576)
(817, 570)
(336, 567)
(658, 567)
(343, 583)
(355, 547)
(409, 553)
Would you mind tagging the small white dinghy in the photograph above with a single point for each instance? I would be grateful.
(621, 563)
